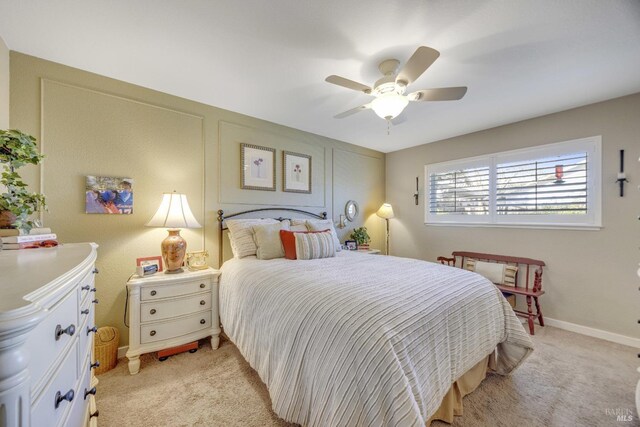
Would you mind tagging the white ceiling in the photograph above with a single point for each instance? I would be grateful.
(269, 59)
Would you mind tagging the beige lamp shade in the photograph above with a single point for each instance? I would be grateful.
(385, 211)
(174, 212)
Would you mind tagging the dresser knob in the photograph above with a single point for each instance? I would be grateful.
(94, 330)
(202, 285)
(152, 333)
(85, 311)
(88, 392)
(92, 290)
(94, 365)
(95, 414)
(95, 271)
(202, 302)
(95, 301)
(69, 330)
(85, 287)
(153, 293)
(202, 321)
(153, 311)
(60, 397)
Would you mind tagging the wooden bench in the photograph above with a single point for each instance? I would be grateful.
(531, 289)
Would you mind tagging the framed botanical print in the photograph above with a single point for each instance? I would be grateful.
(296, 172)
(257, 167)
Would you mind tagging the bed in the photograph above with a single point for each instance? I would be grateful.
(367, 340)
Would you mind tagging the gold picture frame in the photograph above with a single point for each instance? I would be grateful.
(296, 172)
(257, 167)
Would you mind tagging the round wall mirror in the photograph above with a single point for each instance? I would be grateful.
(351, 210)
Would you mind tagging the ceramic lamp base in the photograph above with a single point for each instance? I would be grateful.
(174, 248)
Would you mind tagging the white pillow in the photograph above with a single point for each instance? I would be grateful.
(298, 225)
(241, 235)
(267, 238)
(501, 274)
(324, 224)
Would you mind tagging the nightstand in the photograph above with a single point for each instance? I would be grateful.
(167, 310)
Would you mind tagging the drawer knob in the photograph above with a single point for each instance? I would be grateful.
(95, 271)
(60, 397)
(88, 392)
(85, 311)
(69, 330)
(94, 365)
(153, 311)
(92, 290)
(94, 330)
(85, 287)
(202, 302)
(95, 301)
(202, 285)
(152, 333)
(95, 414)
(202, 321)
(153, 293)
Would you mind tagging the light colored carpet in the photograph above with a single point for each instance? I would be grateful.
(569, 380)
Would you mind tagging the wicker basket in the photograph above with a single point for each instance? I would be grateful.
(106, 348)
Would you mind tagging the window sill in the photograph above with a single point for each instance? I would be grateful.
(579, 227)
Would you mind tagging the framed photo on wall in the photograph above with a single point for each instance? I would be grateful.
(257, 167)
(296, 172)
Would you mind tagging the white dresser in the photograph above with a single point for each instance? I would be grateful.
(47, 306)
(168, 310)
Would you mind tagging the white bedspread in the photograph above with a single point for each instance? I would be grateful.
(364, 340)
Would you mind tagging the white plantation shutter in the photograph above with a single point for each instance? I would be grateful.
(550, 185)
(544, 186)
(461, 191)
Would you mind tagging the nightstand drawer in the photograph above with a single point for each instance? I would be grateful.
(165, 330)
(148, 293)
(159, 310)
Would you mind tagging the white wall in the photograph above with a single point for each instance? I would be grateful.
(4, 85)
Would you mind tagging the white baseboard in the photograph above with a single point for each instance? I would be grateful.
(592, 332)
(122, 351)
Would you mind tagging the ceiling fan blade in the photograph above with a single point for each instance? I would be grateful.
(349, 84)
(421, 59)
(441, 94)
(352, 111)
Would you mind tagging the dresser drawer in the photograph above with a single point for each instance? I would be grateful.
(80, 405)
(44, 411)
(170, 329)
(44, 345)
(86, 339)
(159, 310)
(152, 292)
(87, 283)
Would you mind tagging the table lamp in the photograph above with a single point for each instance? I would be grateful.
(174, 214)
(386, 212)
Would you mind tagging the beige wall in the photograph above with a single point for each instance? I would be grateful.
(4, 85)
(590, 279)
(88, 124)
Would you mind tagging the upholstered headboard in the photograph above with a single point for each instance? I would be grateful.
(275, 213)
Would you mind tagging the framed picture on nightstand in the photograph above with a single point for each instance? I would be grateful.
(351, 245)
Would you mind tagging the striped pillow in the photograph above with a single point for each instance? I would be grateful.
(241, 235)
(315, 245)
(501, 274)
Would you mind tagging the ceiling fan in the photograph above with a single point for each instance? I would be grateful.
(389, 91)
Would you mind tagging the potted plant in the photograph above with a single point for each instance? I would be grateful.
(16, 203)
(361, 237)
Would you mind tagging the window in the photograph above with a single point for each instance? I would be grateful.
(555, 185)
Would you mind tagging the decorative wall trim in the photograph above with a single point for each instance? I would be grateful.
(592, 332)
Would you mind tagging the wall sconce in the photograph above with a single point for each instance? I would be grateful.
(622, 177)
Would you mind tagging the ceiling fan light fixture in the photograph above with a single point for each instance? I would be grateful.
(389, 106)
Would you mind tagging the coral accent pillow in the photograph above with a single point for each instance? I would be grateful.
(288, 239)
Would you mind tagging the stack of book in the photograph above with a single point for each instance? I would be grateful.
(17, 239)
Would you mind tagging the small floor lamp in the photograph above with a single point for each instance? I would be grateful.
(386, 212)
(174, 214)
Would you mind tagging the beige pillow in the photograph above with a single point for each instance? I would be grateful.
(501, 274)
(324, 224)
(298, 225)
(241, 235)
(267, 238)
(314, 245)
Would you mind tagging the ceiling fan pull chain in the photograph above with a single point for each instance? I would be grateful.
(388, 126)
